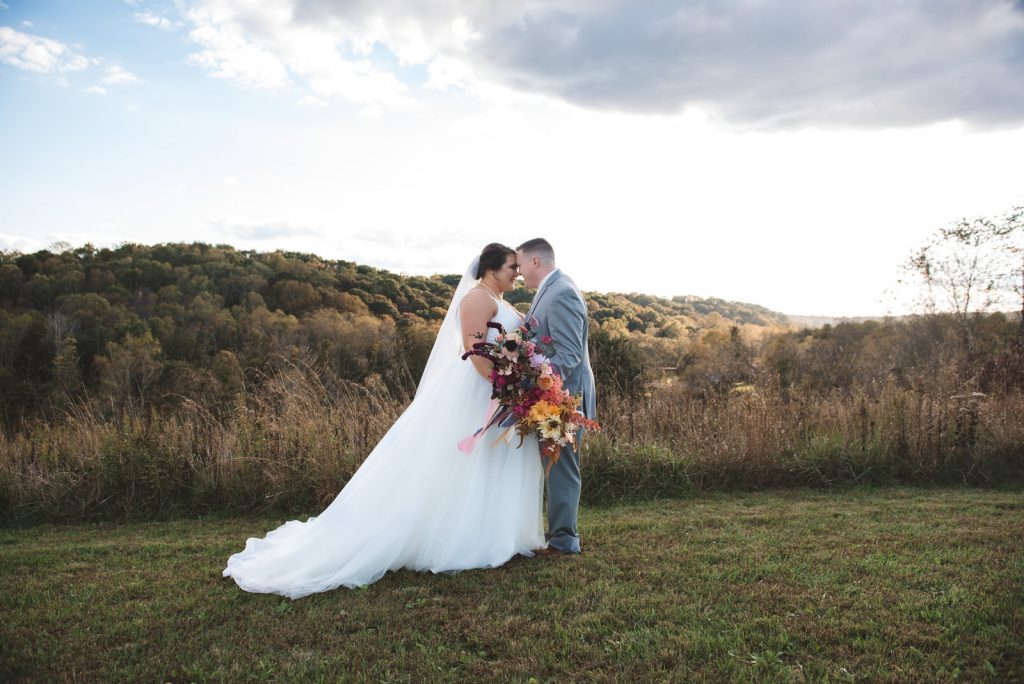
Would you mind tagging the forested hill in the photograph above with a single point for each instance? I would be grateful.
(142, 283)
(142, 323)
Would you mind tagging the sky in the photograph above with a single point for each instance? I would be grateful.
(787, 154)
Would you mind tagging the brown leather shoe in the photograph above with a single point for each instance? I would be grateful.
(549, 552)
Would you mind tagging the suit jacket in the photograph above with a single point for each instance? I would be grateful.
(561, 313)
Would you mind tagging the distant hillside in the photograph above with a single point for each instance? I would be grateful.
(813, 322)
(139, 329)
(822, 321)
(142, 323)
(143, 279)
(656, 315)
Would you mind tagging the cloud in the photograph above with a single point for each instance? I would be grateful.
(445, 73)
(4, 6)
(802, 63)
(155, 20)
(37, 54)
(16, 243)
(27, 24)
(260, 45)
(311, 101)
(258, 231)
(229, 55)
(770, 65)
(119, 76)
(53, 58)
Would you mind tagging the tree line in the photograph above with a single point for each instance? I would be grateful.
(149, 327)
(140, 325)
(153, 380)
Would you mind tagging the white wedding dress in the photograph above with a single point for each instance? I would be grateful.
(417, 502)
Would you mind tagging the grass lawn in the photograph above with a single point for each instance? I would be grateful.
(876, 584)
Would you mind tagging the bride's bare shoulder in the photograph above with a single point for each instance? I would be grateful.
(478, 301)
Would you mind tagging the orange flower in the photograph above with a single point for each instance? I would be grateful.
(542, 410)
(545, 382)
(558, 383)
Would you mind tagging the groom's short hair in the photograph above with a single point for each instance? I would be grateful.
(538, 247)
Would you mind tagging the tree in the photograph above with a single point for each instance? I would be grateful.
(616, 360)
(10, 285)
(15, 330)
(129, 368)
(970, 268)
(66, 378)
(295, 297)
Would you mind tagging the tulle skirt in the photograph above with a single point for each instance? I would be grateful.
(417, 502)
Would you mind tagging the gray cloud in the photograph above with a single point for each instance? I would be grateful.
(861, 63)
(803, 63)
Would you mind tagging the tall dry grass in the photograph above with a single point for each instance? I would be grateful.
(669, 443)
(290, 446)
(293, 443)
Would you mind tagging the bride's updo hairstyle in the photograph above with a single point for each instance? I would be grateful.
(493, 258)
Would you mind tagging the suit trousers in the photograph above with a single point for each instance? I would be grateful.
(563, 485)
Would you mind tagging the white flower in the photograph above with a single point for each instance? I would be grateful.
(550, 434)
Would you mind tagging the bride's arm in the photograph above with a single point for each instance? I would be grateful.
(475, 310)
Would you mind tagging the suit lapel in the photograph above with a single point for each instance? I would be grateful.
(541, 292)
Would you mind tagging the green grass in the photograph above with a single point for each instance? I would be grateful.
(897, 584)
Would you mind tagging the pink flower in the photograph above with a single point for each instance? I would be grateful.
(546, 340)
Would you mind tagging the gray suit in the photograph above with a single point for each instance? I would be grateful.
(561, 313)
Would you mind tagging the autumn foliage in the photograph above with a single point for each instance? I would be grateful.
(147, 380)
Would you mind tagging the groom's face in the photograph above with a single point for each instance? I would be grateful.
(528, 268)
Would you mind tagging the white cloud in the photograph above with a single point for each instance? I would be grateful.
(96, 90)
(16, 243)
(38, 54)
(255, 230)
(311, 101)
(117, 75)
(3, 6)
(446, 72)
(151, 19)
(263, 46)
(227, 54)
(27, 24)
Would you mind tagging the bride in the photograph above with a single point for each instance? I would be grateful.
(418, 502)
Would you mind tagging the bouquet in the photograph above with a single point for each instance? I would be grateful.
(527, 392)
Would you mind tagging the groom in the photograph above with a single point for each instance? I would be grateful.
(562, 314)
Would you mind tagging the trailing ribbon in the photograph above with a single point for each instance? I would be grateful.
(494, 416)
